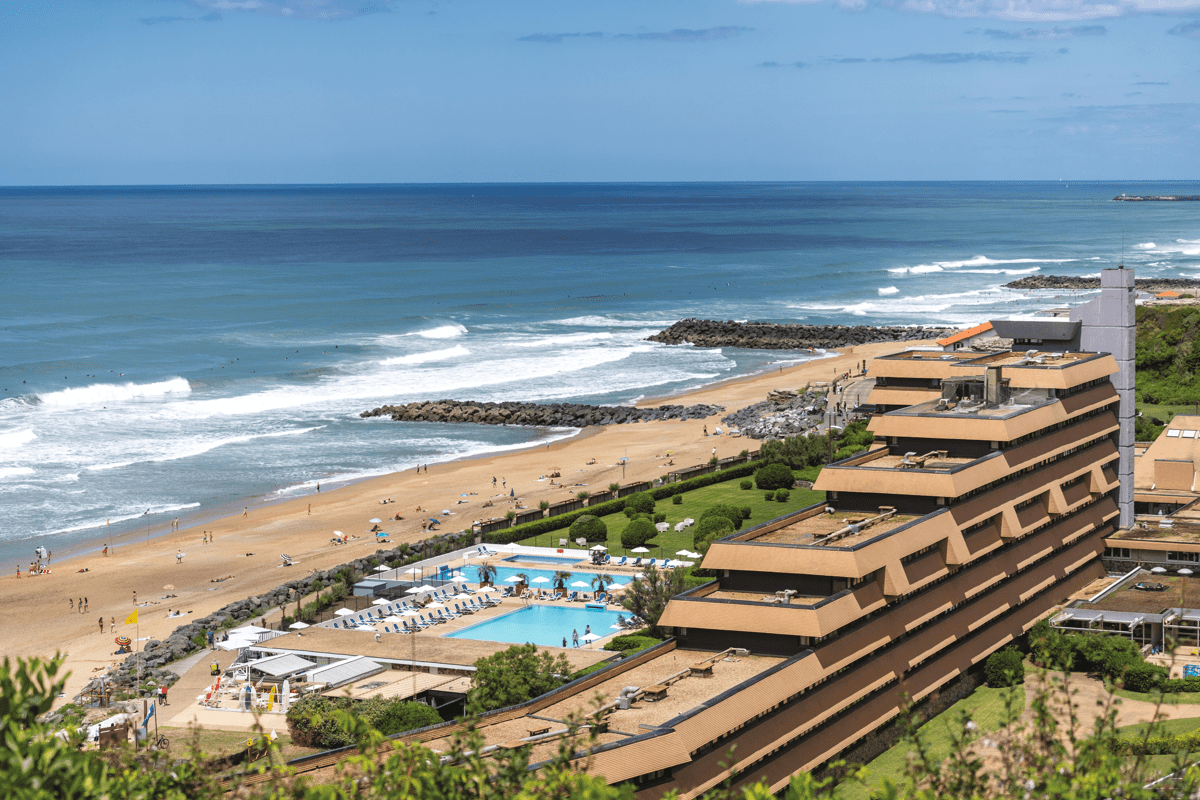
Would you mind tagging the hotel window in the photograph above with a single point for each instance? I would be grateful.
(1116, 552)
(1191, 558)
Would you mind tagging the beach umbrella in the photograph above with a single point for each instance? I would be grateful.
(408, 612)
(513, 579)
(598, 547)
(639, 576)
(458, 576)
(343, 612)
(487, 589)
(295, 626)
(339, 534)
(434, 604)
(639, 550)
(380, 601)
(682, 553)
(1159, 570)
(588, 637)
(377, 520)
(541, 579)
(580, 584)
(435, 520)
(461, 596)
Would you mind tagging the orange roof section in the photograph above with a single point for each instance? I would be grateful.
(1168, 293)
(968, 333)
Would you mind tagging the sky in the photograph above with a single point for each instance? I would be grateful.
(417, 91)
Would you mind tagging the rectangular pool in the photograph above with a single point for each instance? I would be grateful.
(542, 625)
(545, 559)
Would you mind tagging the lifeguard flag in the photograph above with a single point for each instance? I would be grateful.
(132, 618)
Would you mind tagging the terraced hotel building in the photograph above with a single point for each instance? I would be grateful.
(984, 502)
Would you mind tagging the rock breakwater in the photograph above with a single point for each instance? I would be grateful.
(550, 415)
(770, 336)
(783, 414)
(1075, 282)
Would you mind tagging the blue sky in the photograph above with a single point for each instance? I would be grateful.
(380, 91)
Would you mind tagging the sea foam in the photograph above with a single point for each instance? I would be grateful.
(104, 393)
(424, 358)
(11, 440)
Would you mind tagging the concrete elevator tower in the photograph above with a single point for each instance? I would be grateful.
(1110, 326)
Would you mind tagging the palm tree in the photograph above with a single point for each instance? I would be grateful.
(524, 580)
(487, 574)
(561, 577)
(602, 581)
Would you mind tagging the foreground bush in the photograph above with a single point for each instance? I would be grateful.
(1005, 668)
(637, 533)
(312, 723)
(774, 476)
(589, 527)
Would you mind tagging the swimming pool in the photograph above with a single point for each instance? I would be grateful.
(544, 559)
(504, 573)
(542, 625)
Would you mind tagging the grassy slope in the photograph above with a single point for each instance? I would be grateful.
(693, 503)
(1170, 699)
(986, 706)
(1168, 364)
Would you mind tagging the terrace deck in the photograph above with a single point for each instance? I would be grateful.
(1180, 591)
(809, 531)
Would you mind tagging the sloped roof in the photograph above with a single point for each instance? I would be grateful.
(280, 665)
(342, 672)
(1168, 293)
(967, 334)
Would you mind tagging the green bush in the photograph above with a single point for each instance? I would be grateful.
(769, 496)
(640, 502)
(677, 499)
(1004, 668)
(782, 495)
(774, 476)
(637, 533)
(747, 484)
(710, 529)
(589, 527)
(746, 512)
(731, 513)
(312, 720)
(1146, 678)
(629, 644)
(660, 517)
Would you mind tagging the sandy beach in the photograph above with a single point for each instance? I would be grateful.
(42, 611)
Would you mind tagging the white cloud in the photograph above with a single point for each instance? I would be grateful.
(1024, 10)
(300, 9)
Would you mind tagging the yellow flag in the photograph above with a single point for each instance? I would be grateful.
(132, 618)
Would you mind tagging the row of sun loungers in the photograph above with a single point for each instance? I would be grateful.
(624, 561)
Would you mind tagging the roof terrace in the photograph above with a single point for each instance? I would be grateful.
(843, 528)
(1030, 358)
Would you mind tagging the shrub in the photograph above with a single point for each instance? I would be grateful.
(1004, 668)
(637, 533)
(640, 502)
(313, 722)
(747, 484)
(589, 527)
(677, 499)
(769, 496)
(710, 529)
(629, 644)
(774, 476)
(782, 495)
(614, 487)
(660, 517)
(1145, 677)
(731, 513)
(745, 512)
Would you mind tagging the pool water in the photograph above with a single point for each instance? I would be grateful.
(504, 573)
(545, 559)
(542, 625)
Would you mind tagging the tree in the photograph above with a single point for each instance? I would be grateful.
(637, 533)
(647, 596)
(584, 495)
(589, 527)
(602, 581)
(543, 505)
(614, 487)
(560, 579)
(513, 676)
(524, 579)
(487, 573)
(774, 476)
(1004, 668)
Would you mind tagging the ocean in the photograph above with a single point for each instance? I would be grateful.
(184, 351)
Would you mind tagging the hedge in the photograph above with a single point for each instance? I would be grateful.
(628, 644)
(539, 526)
(312, 723)
(1156, 745)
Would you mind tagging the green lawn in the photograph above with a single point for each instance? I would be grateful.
(1169, 699)
(986, 706)
(1165, 727)
(694, 502)
(214, 742)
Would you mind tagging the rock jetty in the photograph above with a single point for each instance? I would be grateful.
(551, 415)
(769, 336)
(784, 413)
(1074, 282)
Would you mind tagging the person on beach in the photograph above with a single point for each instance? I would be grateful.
(112, 624)
(206, 538)
(493, 484)
(564, 641)
(575, 637)
(310, 509)
(105, 550)
(81, 605)
(85, 604)
(246, 511)
(318, 488)
(18, 570)
(587, 631)
(102, 626)
(135, 598)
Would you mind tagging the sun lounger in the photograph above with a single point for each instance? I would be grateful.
(638, 562)
(666, 564)
(652, 563)
(601, 597)
(557, 596)
(336, 626)
(620, 563)
(572, 597)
